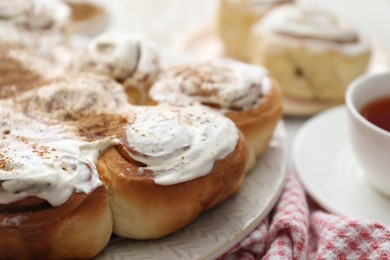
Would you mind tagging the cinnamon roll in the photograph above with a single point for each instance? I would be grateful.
(73, 98)
(242, 92)
(78, 162)
(312, 53)
(235, 21)
(22, 69)
(172, 164)
(53, 204)
(40, 25)
(130, 59)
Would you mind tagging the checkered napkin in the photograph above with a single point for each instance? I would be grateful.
(298, 229)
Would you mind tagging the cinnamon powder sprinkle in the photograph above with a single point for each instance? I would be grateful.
(42, 151)
(15, 78)
(95, 127)
(4, 162)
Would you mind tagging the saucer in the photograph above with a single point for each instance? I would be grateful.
(325, 162)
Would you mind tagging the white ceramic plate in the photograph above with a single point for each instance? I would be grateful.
(219, 229)
(324, 160)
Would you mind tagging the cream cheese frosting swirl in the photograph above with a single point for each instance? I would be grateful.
(46, 161)
(120, 56)
(223, 83)
(51, 137)
(300, 24)
(179, 144)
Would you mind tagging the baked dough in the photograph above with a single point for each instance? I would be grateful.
(242, 92)
(173, 164)
(78, 162)
(53, 204)
(235, 21)
(33, 229)
(312, 53)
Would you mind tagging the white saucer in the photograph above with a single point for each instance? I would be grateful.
(327, 167)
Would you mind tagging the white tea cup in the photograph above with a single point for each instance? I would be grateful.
(370, 143)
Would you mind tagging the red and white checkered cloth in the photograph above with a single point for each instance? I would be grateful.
(296, 229)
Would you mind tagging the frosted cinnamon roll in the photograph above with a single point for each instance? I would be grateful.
(22, 69)
(74, 97)
(242, 92)
(235, 21)
(312, 53)
(53, 204)
(29, 21)
(130, 59)
(172, 164)
(40, 25)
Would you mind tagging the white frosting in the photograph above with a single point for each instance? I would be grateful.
(48, 159)
(38, 14)
(82, 94)
(40, 25)
(179, 144)
(301, 25)
(51, 170)
(10, 9)
(42, 157)
(31, 60)
(225, 83)
(119, 55)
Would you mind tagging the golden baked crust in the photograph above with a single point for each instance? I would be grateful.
(145, 210)
(32, 229)
(258, 124)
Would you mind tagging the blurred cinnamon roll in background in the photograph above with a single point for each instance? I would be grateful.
(235, 21)
(130, 59)
(39, 25)
(244, 93)
(34, 23)
(314, 54)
